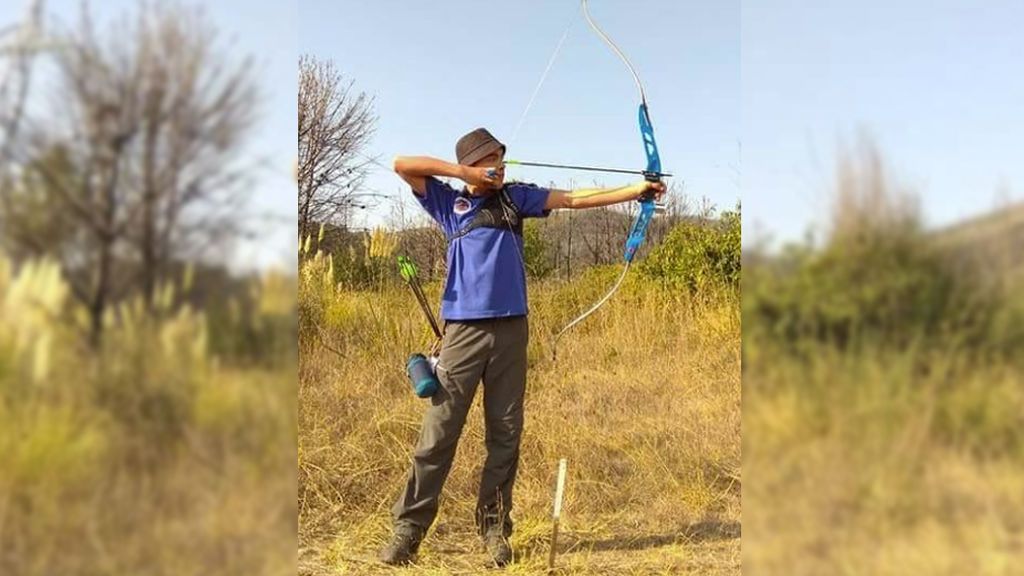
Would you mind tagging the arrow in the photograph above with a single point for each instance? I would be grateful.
(408, 271)
(644, 173)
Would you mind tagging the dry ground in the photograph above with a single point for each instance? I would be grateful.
(643, 401)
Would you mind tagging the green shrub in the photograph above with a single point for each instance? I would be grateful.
(889, 286)
(699, 255)
(536, 251)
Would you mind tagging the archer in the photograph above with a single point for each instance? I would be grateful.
(485, 334)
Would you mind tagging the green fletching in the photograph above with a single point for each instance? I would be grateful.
(406, 268)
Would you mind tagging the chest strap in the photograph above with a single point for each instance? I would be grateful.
(497, 211)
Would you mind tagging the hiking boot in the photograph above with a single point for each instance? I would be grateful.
(498, 548)
(403, 547)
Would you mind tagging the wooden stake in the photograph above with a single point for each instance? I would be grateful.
(557, 513)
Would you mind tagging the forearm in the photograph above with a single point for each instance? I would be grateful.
(422, 166)
(597, 197)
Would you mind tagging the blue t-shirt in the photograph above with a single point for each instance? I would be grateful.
(486, 276)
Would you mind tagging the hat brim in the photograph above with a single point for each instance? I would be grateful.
(481, 152)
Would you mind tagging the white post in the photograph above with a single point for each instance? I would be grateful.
(557, 512)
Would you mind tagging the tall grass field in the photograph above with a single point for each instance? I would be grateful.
(158, 453)
(643, 401)
(883, 397)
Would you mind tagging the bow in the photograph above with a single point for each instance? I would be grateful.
(653, 173)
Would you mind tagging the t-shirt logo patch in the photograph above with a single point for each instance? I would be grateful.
(462, 205)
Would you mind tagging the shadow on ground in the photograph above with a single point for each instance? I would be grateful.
(700, 532)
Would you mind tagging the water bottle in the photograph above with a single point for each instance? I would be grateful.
(421, 375)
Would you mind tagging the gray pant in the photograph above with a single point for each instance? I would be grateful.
(493, 350)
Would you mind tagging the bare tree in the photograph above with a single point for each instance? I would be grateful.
(139, 155)
(335, 124)
(194, 111)
(19, 44)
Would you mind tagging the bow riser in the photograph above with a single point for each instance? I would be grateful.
(639, 230)
(650, 146)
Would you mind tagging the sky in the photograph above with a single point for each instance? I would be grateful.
(938, 85)
(266, 31)
(440, 69)
(751, 100)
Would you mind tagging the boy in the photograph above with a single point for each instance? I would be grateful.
(485, 335)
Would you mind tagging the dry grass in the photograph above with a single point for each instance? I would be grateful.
(867, 465)
(897, 449)
(643, 401)
(146, 457)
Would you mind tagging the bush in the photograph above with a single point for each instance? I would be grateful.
(699, 255)
(890, 286)
(536, 257)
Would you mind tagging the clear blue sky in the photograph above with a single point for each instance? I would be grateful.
(440, 69)
(939, 84)
(267, 31)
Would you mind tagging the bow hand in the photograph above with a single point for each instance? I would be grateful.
(650, 190)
